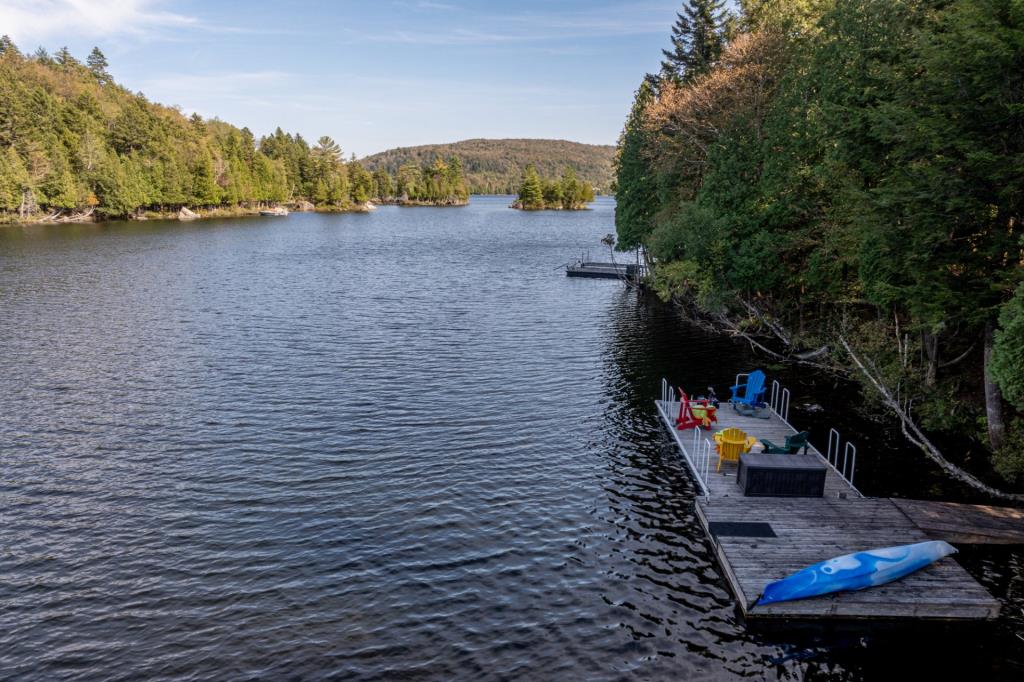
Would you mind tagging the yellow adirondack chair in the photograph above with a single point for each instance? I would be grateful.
(730, 444)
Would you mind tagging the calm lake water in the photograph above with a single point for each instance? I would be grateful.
(399, 445)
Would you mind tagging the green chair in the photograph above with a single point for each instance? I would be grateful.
(792, 446)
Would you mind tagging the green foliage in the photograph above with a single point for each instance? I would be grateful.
(98, 64)
(851, 165)
(7, 46)
(1009, 459)
(496, 166)
(383, 186)
(72, 139)
(567, 193)
(14, 180)
(531, 190)
(634, 177)
(1008, 351)
(698, 36)
(361, 182)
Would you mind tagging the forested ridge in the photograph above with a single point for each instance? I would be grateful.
(842, 182)
(496, 166)
(73, 144)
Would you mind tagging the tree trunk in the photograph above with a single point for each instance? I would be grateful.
(993, 397)
(931, 351)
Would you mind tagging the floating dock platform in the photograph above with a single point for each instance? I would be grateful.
(601, 270)
(762, 539)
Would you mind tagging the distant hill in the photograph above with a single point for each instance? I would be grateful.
(495, 166)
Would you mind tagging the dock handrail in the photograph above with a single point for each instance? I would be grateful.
(699, 453)
(849, 453)
(779, 401)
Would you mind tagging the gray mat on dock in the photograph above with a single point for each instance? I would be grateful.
(741, 529)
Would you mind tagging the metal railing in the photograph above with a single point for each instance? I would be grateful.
(842, 457)
(848, 467)
(699, 454)
(779, 401)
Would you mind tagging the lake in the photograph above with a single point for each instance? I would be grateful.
(396, 445)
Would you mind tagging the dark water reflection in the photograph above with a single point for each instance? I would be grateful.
(398, 445)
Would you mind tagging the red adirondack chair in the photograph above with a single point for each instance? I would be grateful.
(686, 419)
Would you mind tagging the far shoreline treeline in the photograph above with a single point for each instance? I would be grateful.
(76, 146)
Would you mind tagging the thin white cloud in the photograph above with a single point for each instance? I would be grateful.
(31, 20)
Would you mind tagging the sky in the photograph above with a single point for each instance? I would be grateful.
(371, 74)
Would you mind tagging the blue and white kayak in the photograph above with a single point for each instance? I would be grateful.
(855, 571)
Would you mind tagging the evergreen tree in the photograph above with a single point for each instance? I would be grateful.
(97, 64)
(64, 58)
(14, 180)
(1008, 360)
(360, 183)
(7, 46)
(383, 187)
(407, 181)
(531, 190)
(698, 36)
(328, 151)
(635, 193)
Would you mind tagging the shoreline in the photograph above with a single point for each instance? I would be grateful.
(254, 211)
(218, 212)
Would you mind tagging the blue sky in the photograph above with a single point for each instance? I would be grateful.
(372, 75)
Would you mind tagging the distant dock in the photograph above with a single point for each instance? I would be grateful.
(762, 539)
(601, 270)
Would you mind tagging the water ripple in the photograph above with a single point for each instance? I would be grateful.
(397, 445)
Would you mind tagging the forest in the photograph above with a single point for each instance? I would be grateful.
(840, 182)
(567, 193)
(75, 144)
(496, 166)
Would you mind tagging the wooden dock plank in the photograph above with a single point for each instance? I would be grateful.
(965, 523)
(810, 530)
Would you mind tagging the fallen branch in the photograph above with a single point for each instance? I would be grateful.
(960, 357)
(50, 218)
(794, 359)
(917, 437)
(773, 326)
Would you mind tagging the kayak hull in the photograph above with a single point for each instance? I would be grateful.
(856, 571)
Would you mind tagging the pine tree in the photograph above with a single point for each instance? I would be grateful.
(698, 36)
(7, 46)
(64, 57)
(382, 184)
(97, 63)
(327, 150)
(14, 179)
(636, 198)
(531, 190)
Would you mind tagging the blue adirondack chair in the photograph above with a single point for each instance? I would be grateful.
(753, 392)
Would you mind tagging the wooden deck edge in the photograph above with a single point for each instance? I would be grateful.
(966, 524)
(730, 577)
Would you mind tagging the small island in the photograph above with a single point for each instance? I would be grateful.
(565, 194)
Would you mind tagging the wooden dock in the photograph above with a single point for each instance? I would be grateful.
(969, 524)
(762, 539)
(601, 270)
